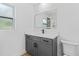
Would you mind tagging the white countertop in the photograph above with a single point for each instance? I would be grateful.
(51, 35)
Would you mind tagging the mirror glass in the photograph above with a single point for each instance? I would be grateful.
(46, 19)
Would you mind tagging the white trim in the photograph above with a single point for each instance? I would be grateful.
(13, 26)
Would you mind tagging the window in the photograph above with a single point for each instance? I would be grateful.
(6, 17)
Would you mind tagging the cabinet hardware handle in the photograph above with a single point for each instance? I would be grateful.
(45, 40)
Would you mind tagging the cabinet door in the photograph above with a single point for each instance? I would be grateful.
(34, 48)
(55, 47)
(44, 50)
(29, 45)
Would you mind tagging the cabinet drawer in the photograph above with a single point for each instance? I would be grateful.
(36, 38)
(27, 37)
(30, 37)
(46, 41)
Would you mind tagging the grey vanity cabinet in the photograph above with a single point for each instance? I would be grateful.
(39, 46)
(45, 50)
(31, 46)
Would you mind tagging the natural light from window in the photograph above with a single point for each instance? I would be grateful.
(6, 17)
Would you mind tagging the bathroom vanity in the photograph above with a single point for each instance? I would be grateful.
(43, 42)
(41, 46)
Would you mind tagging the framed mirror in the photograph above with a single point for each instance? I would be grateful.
(46, 19)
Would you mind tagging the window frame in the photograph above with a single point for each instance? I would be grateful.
(11, 18)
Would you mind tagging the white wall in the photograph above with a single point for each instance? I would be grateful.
(38, 8)
(13, 42)
(67, 19)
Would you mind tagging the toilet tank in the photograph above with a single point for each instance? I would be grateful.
(70, 48)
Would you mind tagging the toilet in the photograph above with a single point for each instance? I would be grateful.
(70, 48)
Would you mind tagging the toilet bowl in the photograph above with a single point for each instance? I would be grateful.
(70, 48)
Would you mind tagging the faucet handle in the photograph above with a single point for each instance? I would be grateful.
(43, 31)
